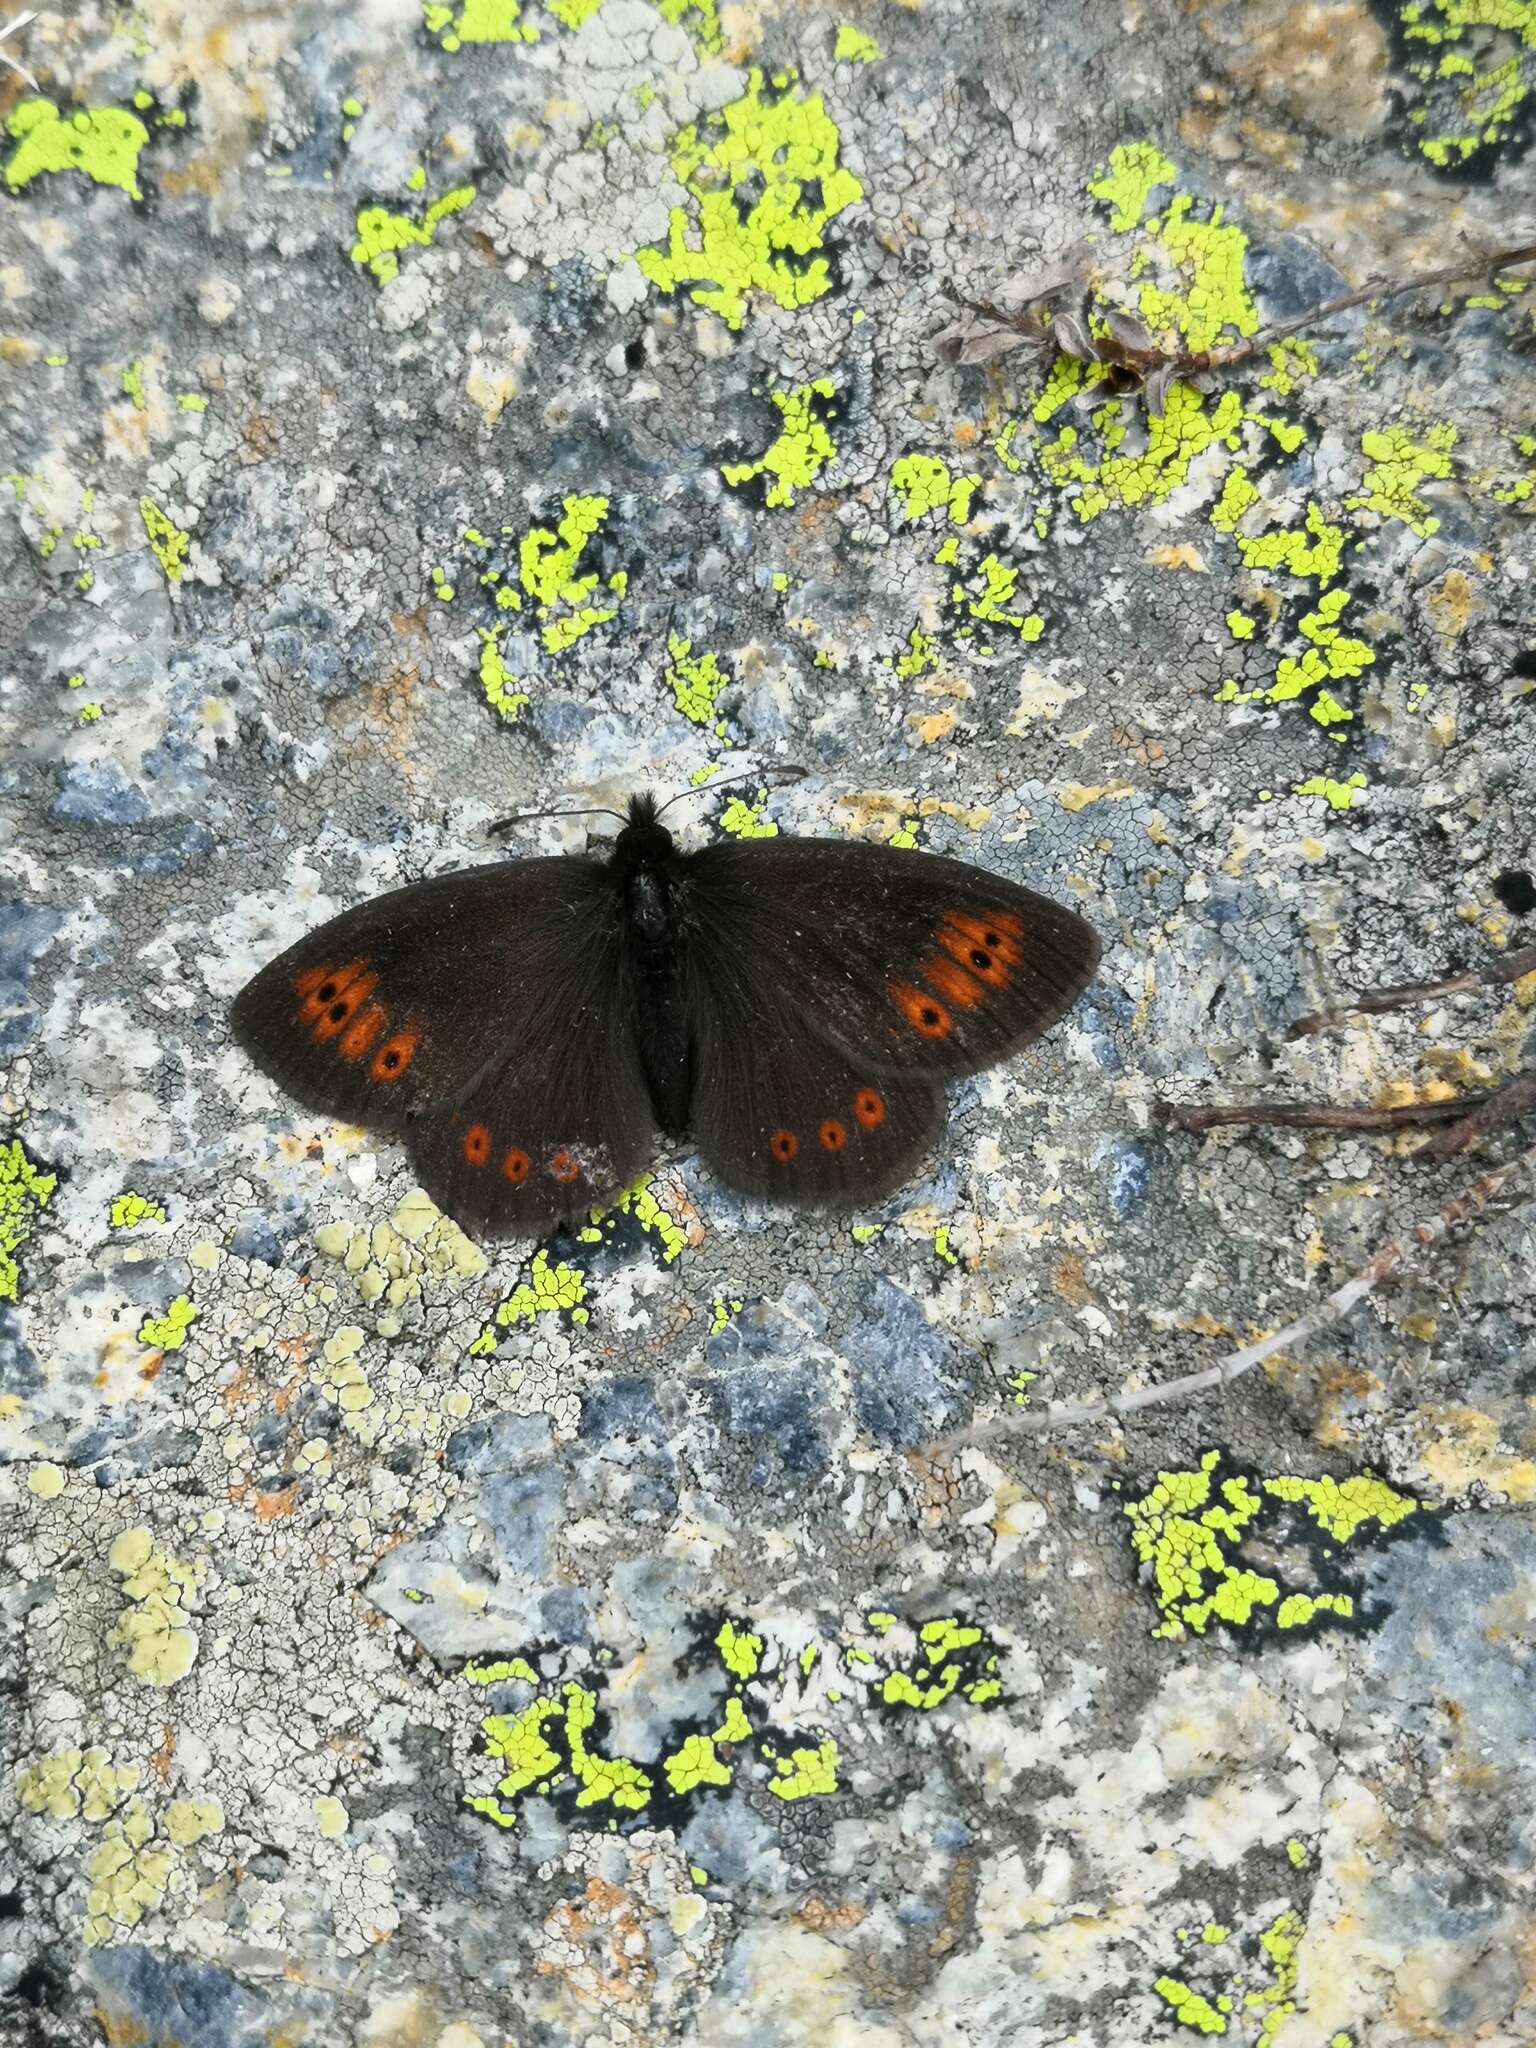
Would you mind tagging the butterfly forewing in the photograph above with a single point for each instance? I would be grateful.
(483, 1014)
(905, 962)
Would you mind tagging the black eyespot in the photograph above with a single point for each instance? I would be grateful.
(391, 1060)
(981, 960)
(327, 992)
(930, 1015)
(338, 1011)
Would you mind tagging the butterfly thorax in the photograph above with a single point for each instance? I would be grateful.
(647, 873)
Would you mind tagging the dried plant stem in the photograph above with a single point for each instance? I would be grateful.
(1496, 973)
(1316, 1116)
(1331, 1309)
(16, 22)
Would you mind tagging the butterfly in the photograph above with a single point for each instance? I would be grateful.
(797, 1004)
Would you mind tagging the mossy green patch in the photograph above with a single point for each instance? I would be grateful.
(764, 178)
(381, 235)
(102, 143)
(803, 446)
(25, 1191)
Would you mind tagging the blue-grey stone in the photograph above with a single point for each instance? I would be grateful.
(19, 1372)
(903, 1389)
(25, 929)
(99, 795)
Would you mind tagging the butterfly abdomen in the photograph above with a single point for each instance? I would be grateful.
(650, 898)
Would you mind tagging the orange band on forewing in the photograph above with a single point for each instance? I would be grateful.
(395, 1054)
(987, 963)
(362, 1031)
(323, 990)
(998, 935)
(337, 1015)
(921, 1011)
(951, 981)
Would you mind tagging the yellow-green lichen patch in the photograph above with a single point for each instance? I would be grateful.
(641, 1203)
(701, 20)
(25, 1190)
(477, 21)
(764, 177)
(547, 566)
(168, 544)
(1475, 64)
(806, 1772)
(497, 682)
(1134, 171)
(746, 821)
(381, 235)
(169, 1332)
(741, 1652)
(155, 1626)
(923, 484)
(1189, 1529)
(1333, 656)
(126, 1874)
(549, 1290)
(1398, 467)
(102, 143)
(852, 46)
(989, 594)
(801, 449)
(1315, 548)
(1210, 303)
(1183, 430)
(1191, 2008)
(1338, 796)
(73, 1782)
(695, 681)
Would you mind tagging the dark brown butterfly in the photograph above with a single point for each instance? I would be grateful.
(527, 1027)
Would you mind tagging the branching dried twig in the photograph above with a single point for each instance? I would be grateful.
(1332, 1309)
(1315, 1116)
(1132, 357)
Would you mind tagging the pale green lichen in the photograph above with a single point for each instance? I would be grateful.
(167, 542)
(155, 1626)
(804, 445)
(764, 176)
(102, 143)
(25, 1190)
(381, 235)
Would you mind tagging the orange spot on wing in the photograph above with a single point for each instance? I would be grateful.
(362, 1031)
(565, 1166)
(998, 935)
(833, 1135)
(985, 962)
(951, 981)
(784, 1145)
(921, 1011)
(477, 1144)
(338, 1015)
(869, 1108)
(395, 1054)
(320, 990)
(515, 1166)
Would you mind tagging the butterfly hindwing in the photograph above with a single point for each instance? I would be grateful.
(907, 963)
(491, 1001)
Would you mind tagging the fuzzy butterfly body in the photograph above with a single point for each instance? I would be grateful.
(528, 1027)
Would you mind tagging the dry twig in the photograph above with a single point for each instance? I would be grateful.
(18, 21)
(1331, 1309)
(1132, 357)
(1496, 973)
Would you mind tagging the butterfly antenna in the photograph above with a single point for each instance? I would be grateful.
(761, 775)
(526, 817)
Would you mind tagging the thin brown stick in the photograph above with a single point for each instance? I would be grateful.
(1331, 1309)
(1502, 1105)
(1495, 973)
(1316, 1116)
